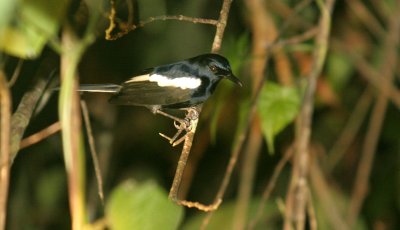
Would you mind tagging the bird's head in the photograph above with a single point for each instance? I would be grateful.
(218, 66)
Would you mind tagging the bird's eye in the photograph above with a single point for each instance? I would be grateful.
(213, 68)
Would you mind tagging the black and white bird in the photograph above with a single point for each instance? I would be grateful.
(179, 85)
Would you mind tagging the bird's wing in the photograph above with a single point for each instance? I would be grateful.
(152, 89)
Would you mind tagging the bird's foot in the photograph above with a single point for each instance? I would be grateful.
(182, 125)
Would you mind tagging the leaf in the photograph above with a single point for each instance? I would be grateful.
(277, 106)
(36, 22)
(142, 206)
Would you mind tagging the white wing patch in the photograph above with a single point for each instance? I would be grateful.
(163, 81)
(180, 82)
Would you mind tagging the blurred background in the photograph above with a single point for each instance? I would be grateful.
(356, 112)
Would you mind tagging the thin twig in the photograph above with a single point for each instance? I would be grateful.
(264, 32)
(372, 75)
(220, 24)
(15, 75)
(153, 19)
(349, 131)
(173, 194)
(41, 135)
(193, 116)
(297, 196)
(247, 174)
(325, 196)
(367, 18)
(93, 151)
(293, 16)
(235, 153)
(5, 121)
(387, 69)
(270, 186)
(311, 211)
(295, 39)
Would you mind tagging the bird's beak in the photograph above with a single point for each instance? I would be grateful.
(235, 80)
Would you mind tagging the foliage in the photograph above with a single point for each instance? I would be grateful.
(137, 165)
(141, 206)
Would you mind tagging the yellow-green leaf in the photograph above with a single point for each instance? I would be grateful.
(34, 24)
(277, 106)
(142, 206)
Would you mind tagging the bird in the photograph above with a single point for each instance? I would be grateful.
(179, 85)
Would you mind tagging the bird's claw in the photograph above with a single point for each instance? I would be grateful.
(181, 125)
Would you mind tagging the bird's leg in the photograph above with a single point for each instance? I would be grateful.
(183, 125)
(158, 111)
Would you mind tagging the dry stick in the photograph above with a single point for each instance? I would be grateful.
(297, 197)
(349, 131)
(270, 186)
(93, 151)
(41, 135)
(295, 39)
(387, 69)
(311, 211)
(173, 194)
(247, 174)
(264, 32)
(323, 192)
(220, 24)
(235, 153)
(372, 76)
(153, 19)
(293, 16)
(193, 115)
(5, 121)
(370, 21)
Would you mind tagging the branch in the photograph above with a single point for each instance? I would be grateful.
(349, 131)
(387, 70)
(270, 186)
(41, 135)
(130, 28)
(173, 194)
(23, 114)
(5, 121)
(221, 24)
(372, 75)
(297, 195)
(93, 151)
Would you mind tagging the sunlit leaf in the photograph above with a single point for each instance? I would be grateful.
(34, 24)
(278, 106)
(142, 206)
(7, 8)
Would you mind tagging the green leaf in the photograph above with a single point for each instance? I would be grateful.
(277, 106)
(142, 206)
(35, 23)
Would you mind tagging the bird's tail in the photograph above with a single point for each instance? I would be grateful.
(101, 88)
